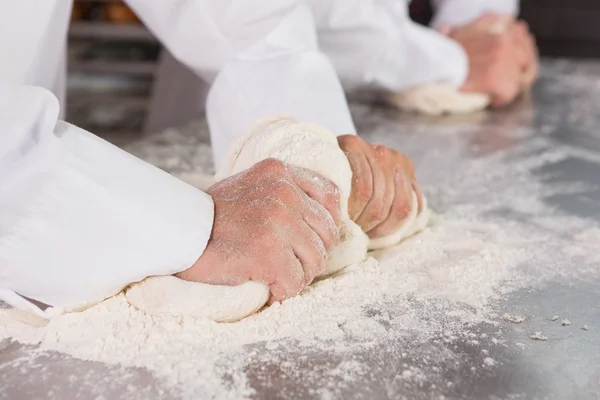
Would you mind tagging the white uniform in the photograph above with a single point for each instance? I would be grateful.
(80, 219)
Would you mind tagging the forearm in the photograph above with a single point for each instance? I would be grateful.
(375, 44)
(262, 58)
(81, 219)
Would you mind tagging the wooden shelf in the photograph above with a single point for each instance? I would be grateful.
(109, 31)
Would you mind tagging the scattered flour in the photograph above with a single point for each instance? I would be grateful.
(495, 234)
(515, 319)
(489, 362)
(538, 336)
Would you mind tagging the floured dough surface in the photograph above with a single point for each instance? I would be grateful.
(303, 145)
(168, 295)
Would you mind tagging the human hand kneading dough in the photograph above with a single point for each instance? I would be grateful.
(383, 182)
(274, 223)
(502, 55)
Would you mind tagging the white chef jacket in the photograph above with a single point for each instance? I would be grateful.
(288, 56)
(80, 219)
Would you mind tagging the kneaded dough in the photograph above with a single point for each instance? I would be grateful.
(303, 145)
(438, 99)
(168, 295)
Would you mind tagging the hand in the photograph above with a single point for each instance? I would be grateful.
(527, 53)
(274, 223)
(502, 57)
(383, 181)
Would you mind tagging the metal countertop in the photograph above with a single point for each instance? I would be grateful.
(561, 114)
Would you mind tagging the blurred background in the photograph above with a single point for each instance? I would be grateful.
(123, 84)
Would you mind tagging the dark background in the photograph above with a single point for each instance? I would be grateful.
(563, 28)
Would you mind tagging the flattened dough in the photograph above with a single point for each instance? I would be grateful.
(168, 295)
(302, 145)
(438, 99)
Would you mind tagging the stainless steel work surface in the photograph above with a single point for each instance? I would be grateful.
(531, 173)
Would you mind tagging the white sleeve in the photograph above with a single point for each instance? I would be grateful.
(79, 218)
(261, 56)
(454, 13)
(376, 44)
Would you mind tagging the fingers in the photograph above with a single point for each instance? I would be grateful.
(310, 250)
(362, 182)
(399, 209)
(305, 260)
(318, 219)
(289, 280)
(320, 189)
(507, 73)
(382, 198)
(417, 190)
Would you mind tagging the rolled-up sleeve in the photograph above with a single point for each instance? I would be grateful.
(81, 219)
(262, 59)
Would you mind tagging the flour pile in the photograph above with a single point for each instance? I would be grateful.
(437, 287)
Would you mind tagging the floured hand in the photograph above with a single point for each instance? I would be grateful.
(274, 223)
(383, 183)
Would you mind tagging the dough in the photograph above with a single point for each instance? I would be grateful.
(302, 145)
(312, 147)
(168, 295)
(438, 99)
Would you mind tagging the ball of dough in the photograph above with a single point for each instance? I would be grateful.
(302, 145)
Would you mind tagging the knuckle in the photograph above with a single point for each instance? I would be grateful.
(283, 189)
(327, 185)
(380, 150)
(350, 141)
(275, 210)
(272, 165)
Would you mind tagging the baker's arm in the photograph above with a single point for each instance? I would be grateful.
(453, 13)
(262, 58)
(79, 218)
(375, 43)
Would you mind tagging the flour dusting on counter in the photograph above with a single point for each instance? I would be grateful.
(403, 321)
(437, 287)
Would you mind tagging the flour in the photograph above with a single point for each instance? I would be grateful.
(299, 145)
(410, 303)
